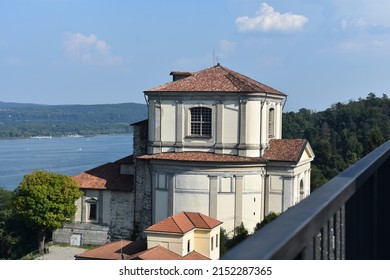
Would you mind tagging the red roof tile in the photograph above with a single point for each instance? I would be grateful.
(105, 177)
(123, 249)
(285, 150)
(289, 150)
(215, 79)
(184, 222)
(195, 256)
(202, 157)
(133, 250)
(158, 253)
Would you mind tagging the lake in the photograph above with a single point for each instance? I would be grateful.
(65, 155)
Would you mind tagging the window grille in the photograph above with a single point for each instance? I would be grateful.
(200, 121)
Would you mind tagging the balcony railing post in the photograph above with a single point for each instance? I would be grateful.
(317, 246)
(375, 214)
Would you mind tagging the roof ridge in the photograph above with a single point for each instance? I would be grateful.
(201, 216)
(185, 213)
(173, 218)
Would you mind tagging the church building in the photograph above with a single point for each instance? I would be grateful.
(214, 145)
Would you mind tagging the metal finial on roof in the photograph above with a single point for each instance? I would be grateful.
(215, 59)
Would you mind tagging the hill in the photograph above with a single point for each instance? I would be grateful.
(342, 134)
(29, 120)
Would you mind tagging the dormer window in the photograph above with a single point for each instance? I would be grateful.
(200, 121)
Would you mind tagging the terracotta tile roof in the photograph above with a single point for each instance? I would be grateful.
(134, 250)
(122, 249)
(158, 253)
(202, 157)
(184, 222)
(195, 256)
(162, 253)
(215, 79)
(289, 150)
(285, 150)
(105, 177)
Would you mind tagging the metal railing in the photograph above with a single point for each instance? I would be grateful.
(347, 218)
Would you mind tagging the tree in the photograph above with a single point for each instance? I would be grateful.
(46, 201)
(267, 219)
(223, 242)
(5, 199)
(240, 233)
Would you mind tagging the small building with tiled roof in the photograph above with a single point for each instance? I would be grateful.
(214, 145)
(105, 211)
(184, 236)
(186, 232)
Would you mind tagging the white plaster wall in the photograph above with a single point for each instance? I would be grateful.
(226, 210)
(191, 193)
(276, 194)
(188, 236)
(151, 121)
(171, 242)
(168, 122)
(77, 216)
(252, 182)
(251, 208)
(214, 254)
(230, 124)
(253, 122)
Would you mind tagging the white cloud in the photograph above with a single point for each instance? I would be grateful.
(353, 24)
(90, 50)
(267, 19)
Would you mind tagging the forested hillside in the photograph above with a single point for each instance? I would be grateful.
(342, 134)
(29, 120)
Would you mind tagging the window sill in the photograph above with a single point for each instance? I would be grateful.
(197, 137)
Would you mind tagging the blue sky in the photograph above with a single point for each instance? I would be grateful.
(92, 52)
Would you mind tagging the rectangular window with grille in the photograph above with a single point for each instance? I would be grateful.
(200, 121)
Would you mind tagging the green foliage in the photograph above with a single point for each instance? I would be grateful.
(46, 200)
(5, 199)
(61, 120)
(239, 234)
(267, 219)
(223, 242)
(340, 135)
(15, 239)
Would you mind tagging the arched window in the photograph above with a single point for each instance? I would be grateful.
(200, 121)
(301, 190)
(271, 123)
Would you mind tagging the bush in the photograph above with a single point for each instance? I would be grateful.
(267, 219)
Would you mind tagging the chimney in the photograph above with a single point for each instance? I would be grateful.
(178, 75)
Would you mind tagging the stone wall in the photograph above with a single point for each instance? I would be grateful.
(91, 234)
(143, 184)
(122, 215)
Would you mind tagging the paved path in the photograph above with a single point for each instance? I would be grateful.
(61, 253)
